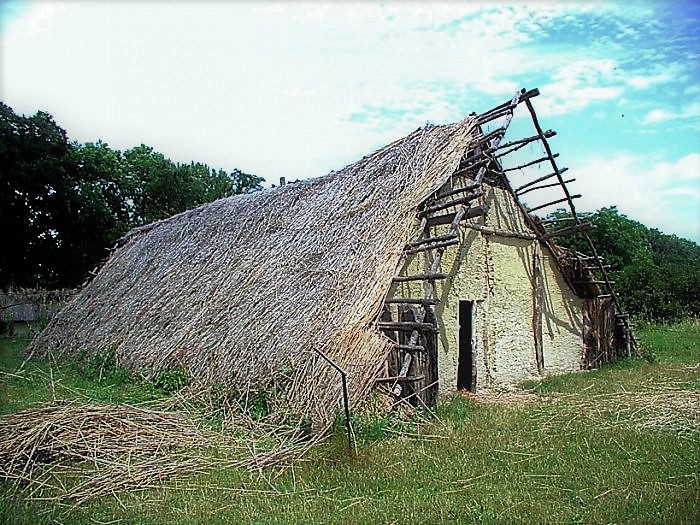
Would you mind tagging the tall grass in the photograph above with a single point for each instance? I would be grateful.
(592, 449)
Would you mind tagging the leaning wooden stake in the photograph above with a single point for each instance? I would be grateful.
(346, 398)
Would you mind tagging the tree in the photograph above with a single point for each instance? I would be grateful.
(35, 160)
(656, 275)
(63, 203)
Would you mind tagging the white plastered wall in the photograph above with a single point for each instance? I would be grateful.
(496, 273)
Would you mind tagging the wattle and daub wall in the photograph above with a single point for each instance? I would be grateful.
(497, 274)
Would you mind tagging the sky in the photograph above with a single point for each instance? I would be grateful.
(297, 89)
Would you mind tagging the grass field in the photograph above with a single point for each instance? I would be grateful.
(615, 445)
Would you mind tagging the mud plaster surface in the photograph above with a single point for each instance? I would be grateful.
(497, 274)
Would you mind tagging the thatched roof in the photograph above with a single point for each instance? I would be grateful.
(239, 291)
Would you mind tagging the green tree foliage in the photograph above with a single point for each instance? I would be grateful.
(62, 203)
(656, 275)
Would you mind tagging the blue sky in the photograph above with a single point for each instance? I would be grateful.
(299, 89)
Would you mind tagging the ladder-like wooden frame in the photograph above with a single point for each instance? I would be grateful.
(482, 162)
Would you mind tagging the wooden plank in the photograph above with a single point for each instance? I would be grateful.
(420, 277)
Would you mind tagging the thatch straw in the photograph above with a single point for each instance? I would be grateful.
(240, 291)
(71, 452)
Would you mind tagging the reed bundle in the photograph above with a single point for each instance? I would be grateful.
(240, 291)
(71, 452)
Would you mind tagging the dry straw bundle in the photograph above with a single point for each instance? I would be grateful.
(71, 452)
(239, 292)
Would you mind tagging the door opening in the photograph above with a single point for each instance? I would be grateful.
(466, 373)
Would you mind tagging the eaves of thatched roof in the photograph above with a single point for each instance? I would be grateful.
(240, 291)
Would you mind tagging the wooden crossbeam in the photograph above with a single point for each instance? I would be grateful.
(568, 198)
(532, 163)
(405, 326)
(515, 145)
(410, 300)
(456, 202)
(434, 246)
(539, 179)
(457, 191)
(581, 227)
(431, 240)
(543, 186)
(420, 277)
(405, 379)
(410, 348)
(486, 230)
(440, 220)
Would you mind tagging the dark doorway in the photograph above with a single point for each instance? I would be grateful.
(466, 376)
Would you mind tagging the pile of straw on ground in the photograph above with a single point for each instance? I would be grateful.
(667, 407)
(240, 291)
(71, 452)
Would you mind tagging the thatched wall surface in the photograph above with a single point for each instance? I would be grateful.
(240, 290)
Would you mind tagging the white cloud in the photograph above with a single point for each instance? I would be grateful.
(580, 83)
(298, 89)
(664, 195)
(663, 115)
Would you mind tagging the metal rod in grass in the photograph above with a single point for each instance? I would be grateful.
(346, 399)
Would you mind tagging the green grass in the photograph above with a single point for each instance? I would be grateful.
(580, 455)
(24, 383)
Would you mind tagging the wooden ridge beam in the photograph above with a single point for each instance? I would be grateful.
(511, 104)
